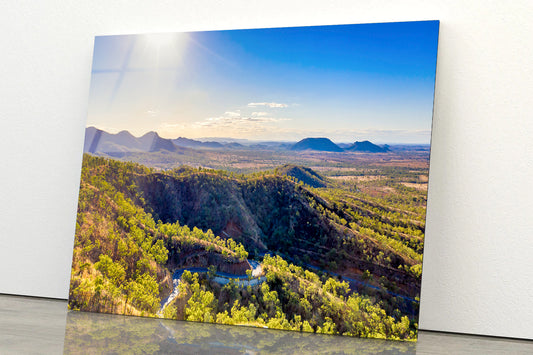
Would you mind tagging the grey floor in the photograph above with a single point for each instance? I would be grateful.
(42, 326)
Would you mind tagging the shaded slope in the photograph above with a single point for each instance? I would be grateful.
(306, 175)
(152, 142)
(266, 213)
(263, 213)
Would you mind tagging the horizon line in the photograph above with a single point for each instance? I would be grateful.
(203, 139)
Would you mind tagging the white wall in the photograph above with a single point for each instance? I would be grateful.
(478, 271)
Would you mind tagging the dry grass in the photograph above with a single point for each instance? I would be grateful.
(418, 186)
(423, 178)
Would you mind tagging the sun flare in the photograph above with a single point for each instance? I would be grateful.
(168, 48)
(159, 40)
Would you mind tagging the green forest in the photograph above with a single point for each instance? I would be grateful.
(340, 252)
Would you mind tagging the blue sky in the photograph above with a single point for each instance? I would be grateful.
(348, 83)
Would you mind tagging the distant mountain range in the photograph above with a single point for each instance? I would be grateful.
(99, 141)
(191, 143)
(326, 145)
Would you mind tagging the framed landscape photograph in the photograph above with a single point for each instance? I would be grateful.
(273, 178)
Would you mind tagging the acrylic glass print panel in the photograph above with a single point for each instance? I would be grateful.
(273, 178)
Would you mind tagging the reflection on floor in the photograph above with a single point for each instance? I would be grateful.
(41, 326)
(116, 334)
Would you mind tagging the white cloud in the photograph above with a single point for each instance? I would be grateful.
(225, 121)
(267, 104)
(236, 123)
(232, 113)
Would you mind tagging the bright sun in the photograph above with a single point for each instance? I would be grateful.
(167, 47)
(158, 40)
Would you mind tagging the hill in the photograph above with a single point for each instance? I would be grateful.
(306, 175)
(366, 146)
(318, 144)
(264, 213)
